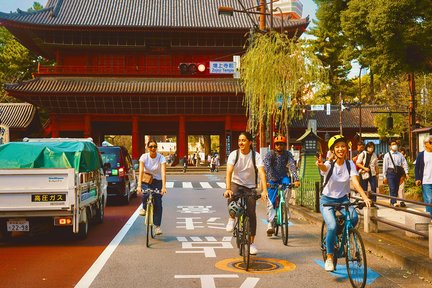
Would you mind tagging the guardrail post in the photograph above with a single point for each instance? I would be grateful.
(430, 240)
(370, 225)
(317, 196)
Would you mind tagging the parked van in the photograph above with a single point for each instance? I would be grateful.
(120, 172)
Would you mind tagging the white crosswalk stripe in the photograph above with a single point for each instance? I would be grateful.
(221, 184)
(169, 184)
(205, 185)
(187, 185)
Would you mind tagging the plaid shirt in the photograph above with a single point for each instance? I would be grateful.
(275, 166)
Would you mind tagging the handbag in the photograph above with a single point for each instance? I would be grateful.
(365, 175)
(400, 171)
(147, 178)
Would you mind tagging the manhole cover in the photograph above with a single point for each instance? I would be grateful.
(257, 265)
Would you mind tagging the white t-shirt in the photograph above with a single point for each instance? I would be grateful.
(244, 171)
(339, 183)
(427, 175)
(153, 165)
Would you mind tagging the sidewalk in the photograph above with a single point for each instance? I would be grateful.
(390, 242)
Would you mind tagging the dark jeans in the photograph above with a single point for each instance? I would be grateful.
(239, 190)
(157, 207)
(373, 184)
(393, 181)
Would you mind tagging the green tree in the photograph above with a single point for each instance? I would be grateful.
(278, 73)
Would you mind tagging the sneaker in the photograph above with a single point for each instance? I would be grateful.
(142, 212)
(230, 225)
(329, 265)
(270, 229)
(402, 204)
(252, 249)
(158, 230)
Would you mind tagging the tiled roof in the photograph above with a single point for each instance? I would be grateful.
(143, 14)
(98, 85)
(17, 115)
(350, 119)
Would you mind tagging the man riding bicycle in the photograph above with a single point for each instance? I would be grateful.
(275, 166)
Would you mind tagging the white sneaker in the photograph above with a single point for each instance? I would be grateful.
(329, 265)
(230, 225)
(252, 249)
(158, 230)
(142, 212)
(270, 229)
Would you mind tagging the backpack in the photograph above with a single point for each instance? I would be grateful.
(253, 161)
(329, 174)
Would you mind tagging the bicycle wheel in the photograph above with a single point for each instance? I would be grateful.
(284, 224)
(237, 233)
(324, 247)
(149, 223)
(355, 256)
(245, 243)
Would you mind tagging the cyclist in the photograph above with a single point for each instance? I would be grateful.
(244, 166)
(275, 165)
(155, 164)
(336, 190)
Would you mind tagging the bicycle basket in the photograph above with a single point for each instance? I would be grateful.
(234, 209)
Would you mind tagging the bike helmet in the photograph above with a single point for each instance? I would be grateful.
(280, 139)
(333, 140)
(234, 209)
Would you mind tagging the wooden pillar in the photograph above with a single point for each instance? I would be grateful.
(135, 138)
(182, 138)
(87, 126)
(54, 126)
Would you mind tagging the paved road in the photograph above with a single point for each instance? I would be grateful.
(194, 251)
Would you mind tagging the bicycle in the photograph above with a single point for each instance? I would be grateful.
(241, 230)
(149, 215)
(282, 212)
(348, 244)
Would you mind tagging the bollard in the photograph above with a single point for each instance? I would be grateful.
(430, 240)
(370, 226)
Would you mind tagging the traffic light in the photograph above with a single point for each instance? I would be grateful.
(191, 68)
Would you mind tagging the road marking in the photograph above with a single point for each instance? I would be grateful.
(97, 266)
(221, 184)
(169, 184)
(205, 185)
(187, 185)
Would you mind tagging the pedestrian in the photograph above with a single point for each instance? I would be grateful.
(244, 167)
(401, 190)
(338, 175)
(369, 170)
(360, 149)
(423, 172)
(276, 163)
(394, 166)
(155, 164)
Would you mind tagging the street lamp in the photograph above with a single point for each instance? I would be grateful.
(358, 103)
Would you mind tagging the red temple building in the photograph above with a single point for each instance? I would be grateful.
(124, 68)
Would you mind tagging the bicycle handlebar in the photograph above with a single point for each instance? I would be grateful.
(154, 191)
(357, 203)
(282, 186)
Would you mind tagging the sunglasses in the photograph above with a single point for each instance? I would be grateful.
(152, 146)
(281, 144)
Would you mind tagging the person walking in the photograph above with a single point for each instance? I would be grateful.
(154, 164)
(392, 174)
(336, 190)
(367, 161)
(244, 167)
(401, 190)
(423, 172)
(275, 166)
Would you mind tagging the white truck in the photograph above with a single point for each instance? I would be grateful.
(51, 182)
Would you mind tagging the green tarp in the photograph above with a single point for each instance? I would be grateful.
(82, 156)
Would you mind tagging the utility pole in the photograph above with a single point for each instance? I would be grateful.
(412, 117)
(262, 27)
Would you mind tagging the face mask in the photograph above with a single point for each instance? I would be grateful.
(394, 147)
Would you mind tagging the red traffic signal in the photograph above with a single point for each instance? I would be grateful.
(191, 68)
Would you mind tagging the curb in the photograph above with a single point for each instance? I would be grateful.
(386, 245)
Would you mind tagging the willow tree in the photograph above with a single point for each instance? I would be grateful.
(278, 74)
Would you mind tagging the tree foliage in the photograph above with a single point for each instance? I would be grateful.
(277, 74)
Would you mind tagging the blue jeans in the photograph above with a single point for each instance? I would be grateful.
(329, 216)
(272, 192)
(427, 196)
(157, 207)
(393, 182)
(373, 184)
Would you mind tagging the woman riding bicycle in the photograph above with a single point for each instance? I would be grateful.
(241, 180)
(155, 164)
(336, 190)
(275, 166)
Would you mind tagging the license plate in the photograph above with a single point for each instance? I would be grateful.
(48, 197)
(18, 225)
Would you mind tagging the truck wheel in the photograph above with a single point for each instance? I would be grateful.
(100, 212)
(83, 228)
